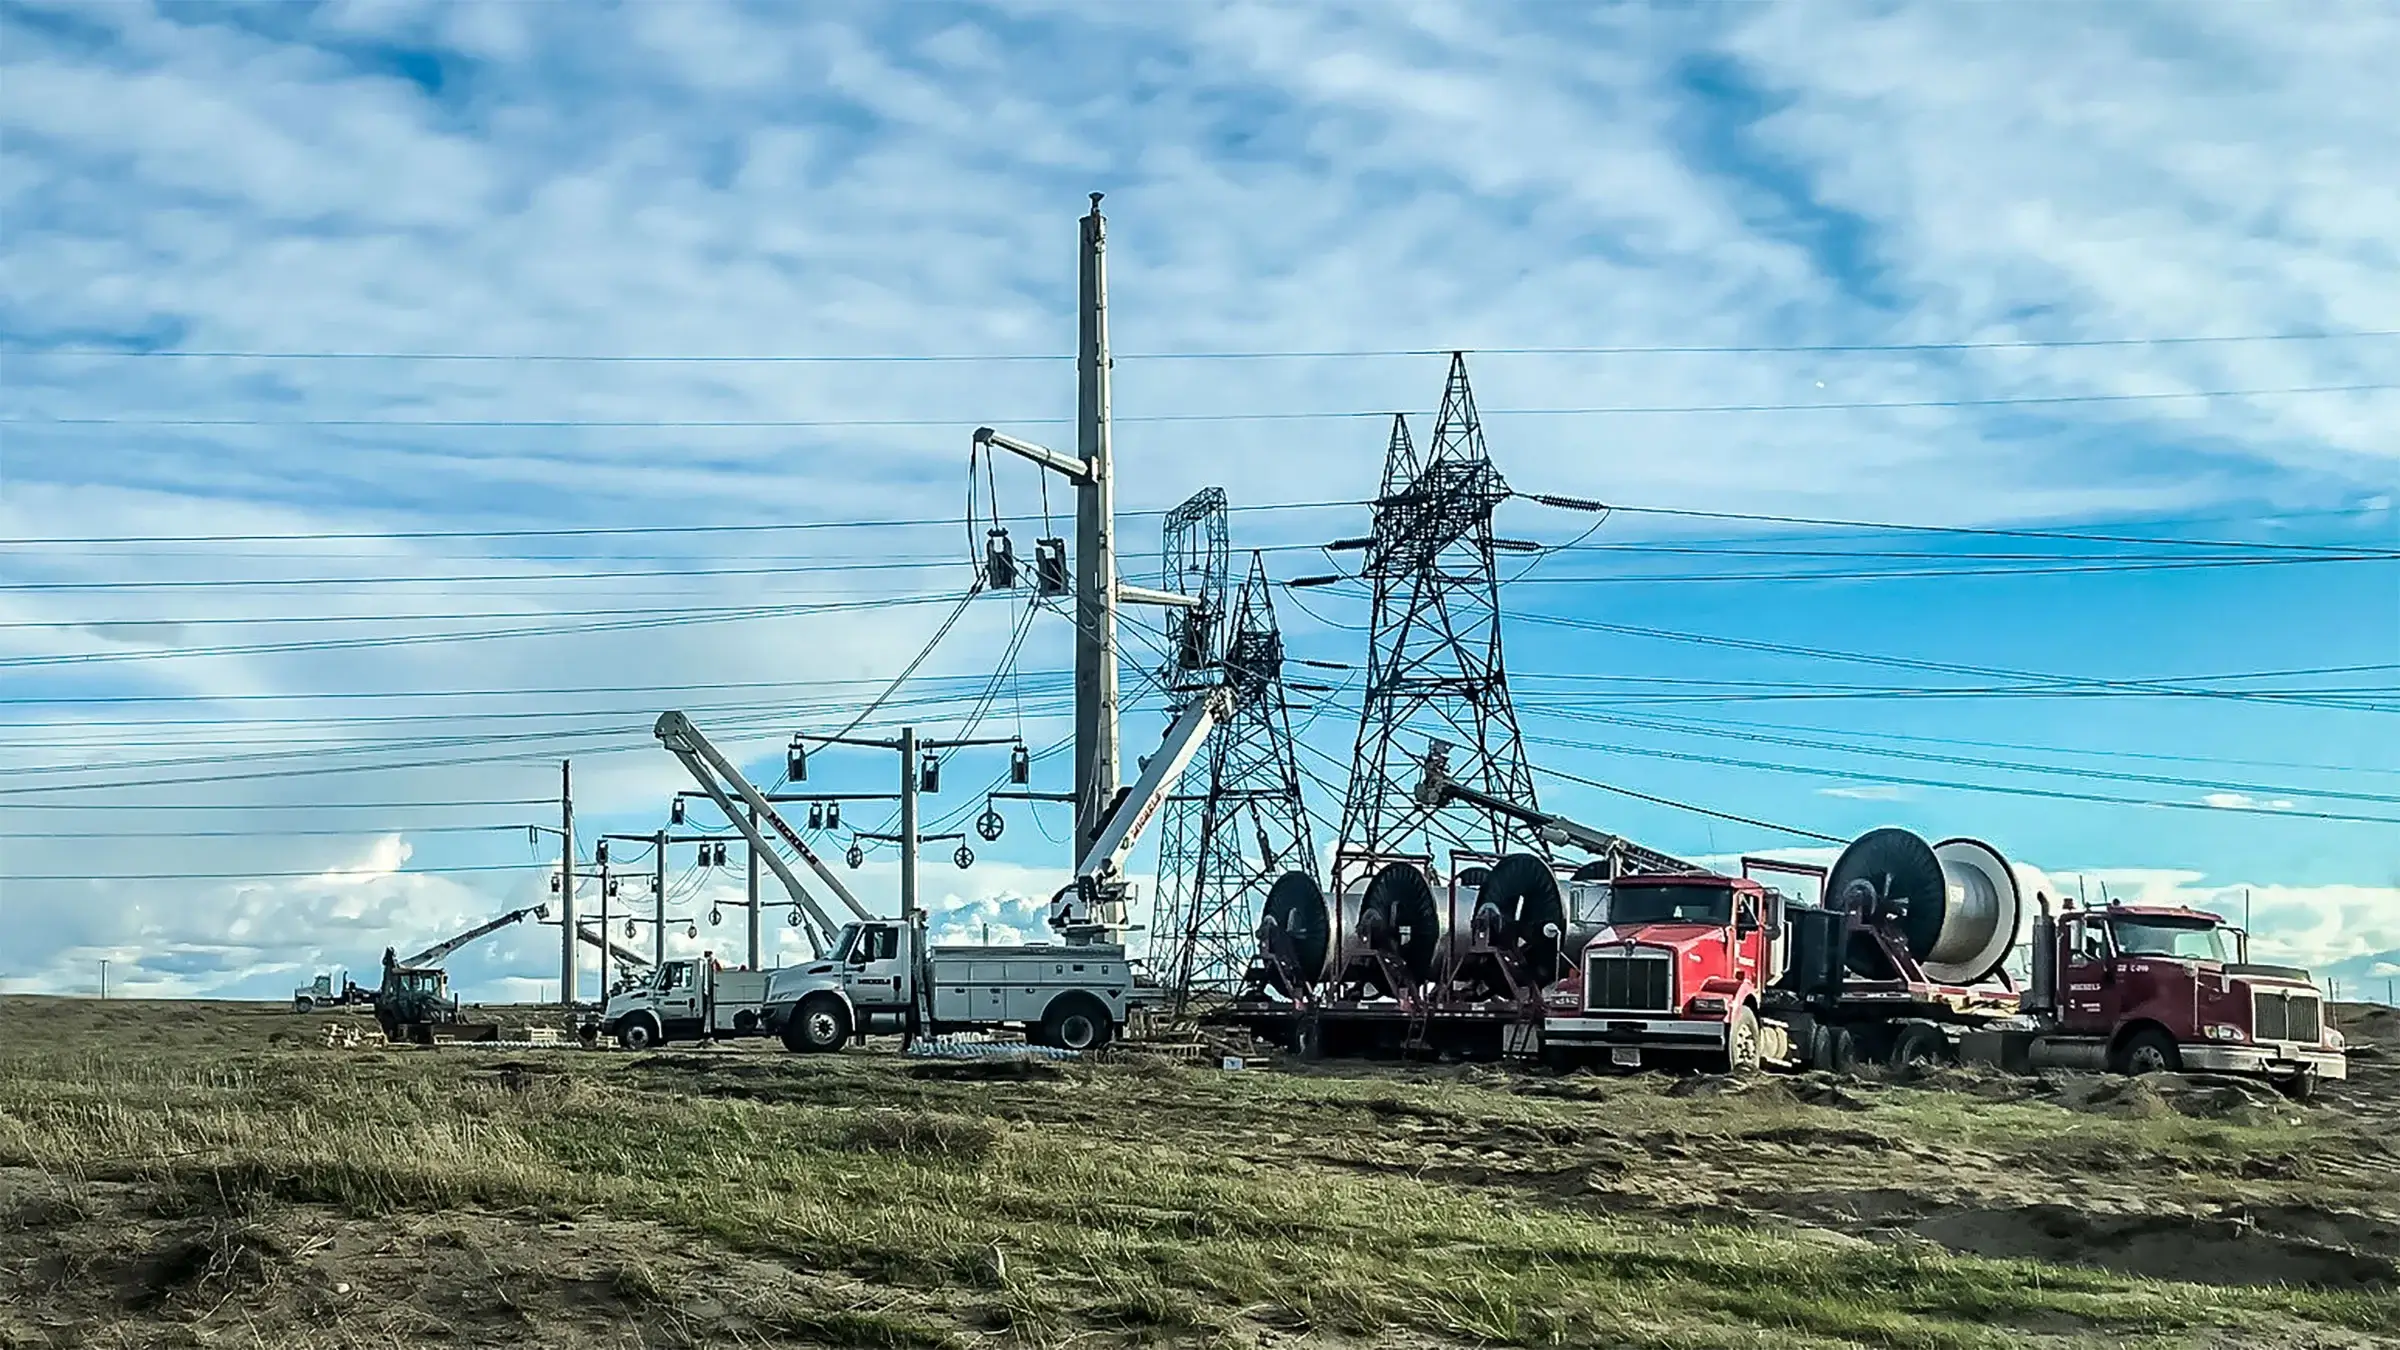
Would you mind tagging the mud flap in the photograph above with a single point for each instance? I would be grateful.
(1521, 1040)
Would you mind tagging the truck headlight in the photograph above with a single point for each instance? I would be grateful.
(2334, 1040)
(2226, 1033)
(1712, 1005)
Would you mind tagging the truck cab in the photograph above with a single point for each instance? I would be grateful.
(2149, 988)
(692, 999)
(1678, 970)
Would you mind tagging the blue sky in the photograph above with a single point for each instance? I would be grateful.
(702, 180)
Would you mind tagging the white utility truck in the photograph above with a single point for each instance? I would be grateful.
(880, 975)
(688, 1000)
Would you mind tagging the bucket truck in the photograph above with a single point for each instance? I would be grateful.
(877, 975)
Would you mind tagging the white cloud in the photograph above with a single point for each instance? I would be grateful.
(2235, 801)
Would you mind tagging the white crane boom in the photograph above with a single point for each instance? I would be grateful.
(717, 776)
(435, 954)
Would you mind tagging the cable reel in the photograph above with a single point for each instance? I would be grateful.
(856, 857)
(965, 857)
(990, 825)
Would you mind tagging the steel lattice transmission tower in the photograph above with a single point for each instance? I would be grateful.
(1237, 820)
(1434, 669)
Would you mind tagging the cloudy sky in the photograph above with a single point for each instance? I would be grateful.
(396, 399)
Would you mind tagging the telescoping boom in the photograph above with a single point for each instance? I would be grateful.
(717, 776)
(1435, 790)
(433, 955)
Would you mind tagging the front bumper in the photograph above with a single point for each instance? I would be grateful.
(2270, 1060)
(1659, 1033)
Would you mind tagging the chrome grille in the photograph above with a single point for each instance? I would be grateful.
(2278, 1016)
(1627, 983)
(2305, 1017)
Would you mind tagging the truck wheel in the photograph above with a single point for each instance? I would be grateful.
(2300, 1087)
(1076, 1022)
(304, 1004)
(1308, 1038)
(1741, 1041)
(638, 1033)
(818, 1025)
(1920, 1046)
(2149, 1050)
(1836, 1049)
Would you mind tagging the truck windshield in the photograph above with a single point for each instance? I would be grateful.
(2181, 939)
(1670, 904)
(842, 942)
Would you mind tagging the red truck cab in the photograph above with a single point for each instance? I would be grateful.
(1677, 971)
(2142, 988)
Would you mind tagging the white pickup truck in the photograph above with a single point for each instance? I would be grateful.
(687, 1000)
(880, 977)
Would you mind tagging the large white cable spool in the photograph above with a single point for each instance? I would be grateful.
(1985, 908)
(1958, 905)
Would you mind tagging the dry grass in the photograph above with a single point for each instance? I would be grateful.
(856, 1200)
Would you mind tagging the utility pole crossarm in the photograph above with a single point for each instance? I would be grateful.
(715, 774)
(1435, 789)
(1066, 466)
(1143, 595)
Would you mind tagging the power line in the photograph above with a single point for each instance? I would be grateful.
(1686, 806)
(1328, 414)
(2055, 794)
(332, 873)
(1987, 531)
(923, 358)
(586, 531)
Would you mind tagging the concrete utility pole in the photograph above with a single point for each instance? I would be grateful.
(908, 824)
(568, 935)
(1097, 590)
(1095, 547)
(104, 980)
(750, 855)
(658, 900)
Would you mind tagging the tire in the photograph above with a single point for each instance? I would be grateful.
(1920, 1046)
(2148, 1050)
(2300, 1087)
(818, 1026)
(638, 1033)
(1741, 1042)
(1077, 1022)
(1308, 1038)
(304, 1004)
(1835, 1049)
(745, 1023)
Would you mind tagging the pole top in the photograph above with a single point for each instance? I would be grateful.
(1096, 202)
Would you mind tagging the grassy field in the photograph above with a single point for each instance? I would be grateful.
(212, 1174)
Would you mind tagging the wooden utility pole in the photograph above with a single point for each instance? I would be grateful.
(567, 936)
(658, 901)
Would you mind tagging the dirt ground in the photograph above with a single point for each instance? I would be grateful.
(213, 1174)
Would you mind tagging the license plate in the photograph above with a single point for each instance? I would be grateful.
(1625, 1057)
